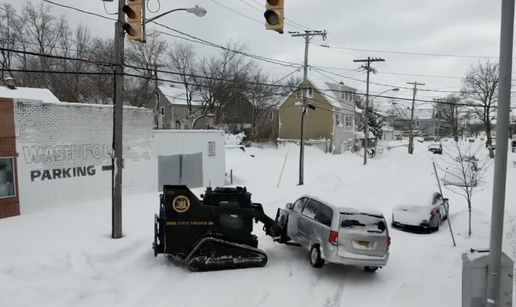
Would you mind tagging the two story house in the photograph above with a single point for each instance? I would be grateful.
(333, 118)
(172, 109)
(426, 121)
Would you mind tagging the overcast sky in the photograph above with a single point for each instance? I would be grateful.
(432, 42)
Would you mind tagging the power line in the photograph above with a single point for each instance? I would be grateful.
(80, 10)
(415, 53)
(197, 40)
(272, 85)
(192, 75)
(56, 57)
(383, 84)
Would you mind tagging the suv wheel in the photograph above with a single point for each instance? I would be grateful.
(371, 269)
(315, 257)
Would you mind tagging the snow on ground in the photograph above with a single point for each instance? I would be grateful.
(64, 257)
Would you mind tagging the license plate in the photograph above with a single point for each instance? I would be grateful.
(363, 243)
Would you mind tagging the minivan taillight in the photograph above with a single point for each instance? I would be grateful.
(334, 235)
(389, 241)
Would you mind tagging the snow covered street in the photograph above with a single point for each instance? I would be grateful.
(65, 257)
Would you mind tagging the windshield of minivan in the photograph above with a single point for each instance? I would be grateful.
(368, 222)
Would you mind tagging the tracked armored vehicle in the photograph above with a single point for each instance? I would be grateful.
(215, 231)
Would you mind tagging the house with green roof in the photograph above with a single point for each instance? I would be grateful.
(334, 117)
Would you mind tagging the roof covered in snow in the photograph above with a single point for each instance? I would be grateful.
(176, 94)
(29, 93)
(418, 113)
(329, 91)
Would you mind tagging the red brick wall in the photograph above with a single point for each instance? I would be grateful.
(8, 206)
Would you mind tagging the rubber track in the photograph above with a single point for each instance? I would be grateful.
(229, 265)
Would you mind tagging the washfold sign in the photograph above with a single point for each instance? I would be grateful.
(59, 160)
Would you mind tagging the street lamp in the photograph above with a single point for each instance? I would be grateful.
(391, 89)
(196, 10)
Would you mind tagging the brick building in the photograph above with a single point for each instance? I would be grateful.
(9, 200)
(9, 187)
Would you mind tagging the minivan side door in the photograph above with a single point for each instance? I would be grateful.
(293, 219)
(307, 224)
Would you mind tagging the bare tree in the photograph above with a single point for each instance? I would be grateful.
(222, 79)
(450, 110)
(141, 60)
(290, 85)
(182, 62)
(263, 96)
(463, 172)
(9, 36)
(480, 86)
(103, 52)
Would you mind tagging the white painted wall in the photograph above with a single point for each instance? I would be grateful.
(57, 138)
(175, 142)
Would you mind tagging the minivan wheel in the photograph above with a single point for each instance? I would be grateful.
(315, 257)
(371, 269)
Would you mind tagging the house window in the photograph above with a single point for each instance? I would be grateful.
(162, 110)
(178, 124)
(7, 184)
(349, 121)
(338, 120)
(211, 149)
(310, 92)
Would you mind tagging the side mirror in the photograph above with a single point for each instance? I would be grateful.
(290, 206)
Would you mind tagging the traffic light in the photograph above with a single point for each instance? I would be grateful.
(274, 16)
(133, 24)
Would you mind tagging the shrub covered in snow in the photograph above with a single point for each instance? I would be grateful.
(234, 139)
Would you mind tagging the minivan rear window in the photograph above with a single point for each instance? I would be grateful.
(367, 222)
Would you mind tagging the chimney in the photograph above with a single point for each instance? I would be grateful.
(9, 82)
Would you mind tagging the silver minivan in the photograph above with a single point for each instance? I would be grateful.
(337, 234)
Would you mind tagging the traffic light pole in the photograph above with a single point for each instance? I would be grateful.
(500, 166)
(116, 197)
(308, 35)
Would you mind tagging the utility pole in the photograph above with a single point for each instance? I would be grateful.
(500, 166)
(116, 197)
(411, 137)
(453, 118)
(156, 96)
(367, 67)
(308, 35)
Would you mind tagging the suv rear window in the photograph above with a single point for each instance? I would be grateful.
(366, 222)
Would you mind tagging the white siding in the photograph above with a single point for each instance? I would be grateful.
(62, 148)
